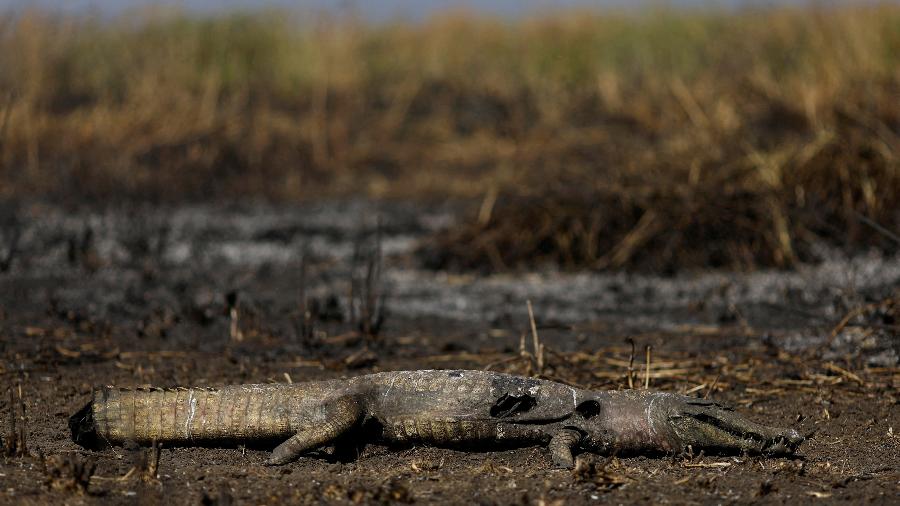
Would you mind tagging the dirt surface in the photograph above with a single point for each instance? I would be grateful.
(145, 296)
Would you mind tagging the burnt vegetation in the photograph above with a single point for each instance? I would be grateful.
(759, 192)
(666, 140)
(367, 293)
(15, 439)
(10, 236)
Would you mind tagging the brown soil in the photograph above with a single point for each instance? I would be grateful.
(99, 318)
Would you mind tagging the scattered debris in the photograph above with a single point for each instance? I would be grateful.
(70, 472)
(887, 306)
(391, 491)
(590, 469)
(364, 357)
(708, 465)
(14, 443)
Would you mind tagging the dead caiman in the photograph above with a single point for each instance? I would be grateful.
(467, 408)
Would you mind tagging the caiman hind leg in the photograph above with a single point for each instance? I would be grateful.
(334, 419)
(561, 445)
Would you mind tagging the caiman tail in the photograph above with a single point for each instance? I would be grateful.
(183, 415)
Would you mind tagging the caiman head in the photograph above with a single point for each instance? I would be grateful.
(703, 424)
(633, 421)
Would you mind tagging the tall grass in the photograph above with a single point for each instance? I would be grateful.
(783, 124)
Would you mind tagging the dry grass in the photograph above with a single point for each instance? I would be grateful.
(658, 140)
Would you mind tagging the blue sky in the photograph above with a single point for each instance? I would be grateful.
(375, 9)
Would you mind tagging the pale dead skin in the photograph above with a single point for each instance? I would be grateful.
(434, 407)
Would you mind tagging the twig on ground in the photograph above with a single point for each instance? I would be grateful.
(487, 206)
(853, 313)
(538, 347)
(4, 123)
(714, 465)
(831, 366)
(713, 386)
(647, 371)
(310, 310)
(151, 471)
(354, 261)
(504, 361)
(15, 444)
(631, 364)
(697, 388)
(234, 330)
(885, 232)
(369, 289)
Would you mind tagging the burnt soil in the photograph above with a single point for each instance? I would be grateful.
(142, 296)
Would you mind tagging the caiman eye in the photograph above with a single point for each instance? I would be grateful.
(588, 409)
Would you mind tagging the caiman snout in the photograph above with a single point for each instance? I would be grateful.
(701, 424)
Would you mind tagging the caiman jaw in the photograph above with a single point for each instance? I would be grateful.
(704, 424)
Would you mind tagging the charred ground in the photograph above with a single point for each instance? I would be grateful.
(777, 345)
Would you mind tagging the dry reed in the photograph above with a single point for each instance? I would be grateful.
(661, 139)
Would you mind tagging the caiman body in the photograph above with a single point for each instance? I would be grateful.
(443, 408)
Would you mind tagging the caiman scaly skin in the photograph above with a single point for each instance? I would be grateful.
(426, 407)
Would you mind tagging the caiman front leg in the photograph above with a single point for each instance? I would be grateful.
(336, 418)
(561, 445)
